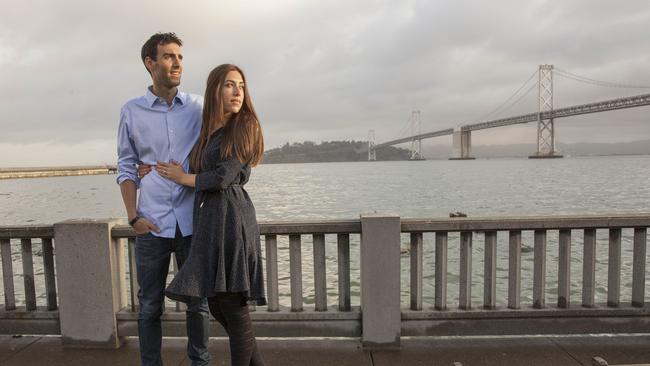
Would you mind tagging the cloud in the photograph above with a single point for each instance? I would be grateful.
(319, 70)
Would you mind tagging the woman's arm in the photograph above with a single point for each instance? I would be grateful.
(220, 178)
(216, 179)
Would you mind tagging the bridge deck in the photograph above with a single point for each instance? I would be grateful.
(533, 351)
(575, 110)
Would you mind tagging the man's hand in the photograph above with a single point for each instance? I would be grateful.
(143, 226)
(143, 169)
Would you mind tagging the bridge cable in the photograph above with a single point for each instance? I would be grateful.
(586, 80)
(485, 117)
(531, 88)
(405, 128)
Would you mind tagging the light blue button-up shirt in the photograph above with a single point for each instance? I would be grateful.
(151, 130)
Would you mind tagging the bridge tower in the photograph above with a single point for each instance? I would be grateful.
(416, 129)
(545, 127)
(372, 156)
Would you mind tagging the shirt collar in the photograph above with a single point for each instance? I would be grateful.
(152, 98)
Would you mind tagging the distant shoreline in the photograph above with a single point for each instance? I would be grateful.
(436, 158)
(65, 171)
(70, 171)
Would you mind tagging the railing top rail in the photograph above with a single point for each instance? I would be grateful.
(408, 225)
(281, 228)
(527, 223)
(27, 232)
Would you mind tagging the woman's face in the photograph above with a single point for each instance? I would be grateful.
(232, 92)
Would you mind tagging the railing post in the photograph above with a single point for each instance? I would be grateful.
(539, 270)
(416, 271)
(514, 270)
(380, 281)
(465, 278)
(92, 283)
(614, 269)
(490, 271)
(343, 259)
(441, 271)
(638, 267)
(589, 269)
(564, 270)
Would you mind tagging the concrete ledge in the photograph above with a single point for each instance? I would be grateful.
(521, 326)
(41, 321)
(261, 315)
(600, 310)
(265, 324)
(44, 326)
(41, 313)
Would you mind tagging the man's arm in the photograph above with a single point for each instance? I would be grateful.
(129, 194)
(127, 176)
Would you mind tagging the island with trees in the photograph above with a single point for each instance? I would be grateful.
(330, 151)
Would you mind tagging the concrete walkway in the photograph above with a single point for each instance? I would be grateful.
(527, 351)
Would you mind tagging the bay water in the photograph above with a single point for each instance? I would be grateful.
(410, 189)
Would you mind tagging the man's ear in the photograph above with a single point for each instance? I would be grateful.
(148, 63)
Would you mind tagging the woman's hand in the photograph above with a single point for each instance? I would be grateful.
(143, 169)
(174, 172)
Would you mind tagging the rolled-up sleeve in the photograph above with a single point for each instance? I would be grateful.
(127, 154)
(220, 178)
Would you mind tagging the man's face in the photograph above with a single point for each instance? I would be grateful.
(167, 68)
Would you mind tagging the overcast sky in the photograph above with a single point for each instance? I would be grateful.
(327, 70)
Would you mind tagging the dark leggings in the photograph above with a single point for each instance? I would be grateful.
(231, 311)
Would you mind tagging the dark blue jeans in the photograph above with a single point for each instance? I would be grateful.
(152, 256)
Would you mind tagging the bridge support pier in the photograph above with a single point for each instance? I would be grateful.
(462, 145)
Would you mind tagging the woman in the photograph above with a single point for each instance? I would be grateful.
(224, 263)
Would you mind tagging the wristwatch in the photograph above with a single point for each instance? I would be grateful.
(134, 220)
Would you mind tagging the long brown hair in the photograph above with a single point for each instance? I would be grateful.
(242, 134)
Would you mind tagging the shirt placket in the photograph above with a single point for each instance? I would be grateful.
(173, 150)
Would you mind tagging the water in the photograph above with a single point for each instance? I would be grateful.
(417, 189)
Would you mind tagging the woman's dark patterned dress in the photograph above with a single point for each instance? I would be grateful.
(225, 255)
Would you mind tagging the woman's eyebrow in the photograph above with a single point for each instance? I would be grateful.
(234, 82)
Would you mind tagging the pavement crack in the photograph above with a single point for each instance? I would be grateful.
(13, 354)
(566, 351)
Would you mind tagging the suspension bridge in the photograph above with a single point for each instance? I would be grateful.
(545, 117)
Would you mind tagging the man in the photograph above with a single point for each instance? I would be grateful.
(162, 125)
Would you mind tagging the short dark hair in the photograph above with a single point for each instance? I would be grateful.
(150, 47)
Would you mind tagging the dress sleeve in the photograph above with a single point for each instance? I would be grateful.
(219, 178)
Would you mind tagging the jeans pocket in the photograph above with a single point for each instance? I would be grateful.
(146, 236)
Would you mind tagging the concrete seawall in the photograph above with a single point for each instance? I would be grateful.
(17, 173)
